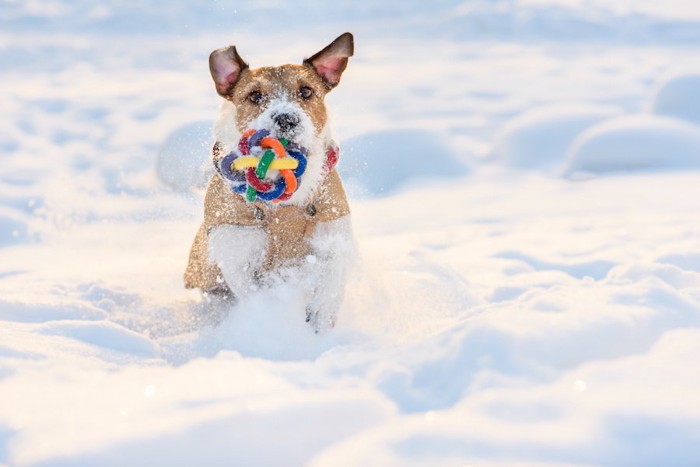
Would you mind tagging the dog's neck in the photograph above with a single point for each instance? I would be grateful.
(322, 154)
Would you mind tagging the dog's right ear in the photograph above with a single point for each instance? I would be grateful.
(226, 67)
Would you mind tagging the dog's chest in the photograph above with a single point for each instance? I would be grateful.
(288, 228)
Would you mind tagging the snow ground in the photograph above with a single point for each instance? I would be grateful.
(501, 315)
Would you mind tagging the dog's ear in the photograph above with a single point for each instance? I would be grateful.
(330, 62)
(226, 67)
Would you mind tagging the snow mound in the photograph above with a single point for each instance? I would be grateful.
(538, 421)
(15, 310)
(687, 261)
(211, 441)
(381, 162)
(183, 159)
(540, 137)
(103, 334)
(634, 143)
(679, 97)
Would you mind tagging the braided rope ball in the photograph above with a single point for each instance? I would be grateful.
(247, 173)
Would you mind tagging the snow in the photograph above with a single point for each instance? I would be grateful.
(679, 97)
(498, 316)
(540, 137)
(382, 162)
(634, 143)
(184, 158)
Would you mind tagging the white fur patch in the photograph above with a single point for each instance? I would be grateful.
(239, 252)
(334, 254)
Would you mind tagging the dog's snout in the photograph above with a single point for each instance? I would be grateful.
(286, 121)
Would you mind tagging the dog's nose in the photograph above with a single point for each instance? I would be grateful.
(286, 122)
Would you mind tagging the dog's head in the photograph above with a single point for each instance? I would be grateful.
(286, 100)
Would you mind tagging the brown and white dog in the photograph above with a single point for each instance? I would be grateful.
(240, 244)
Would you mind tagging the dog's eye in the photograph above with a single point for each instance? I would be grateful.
(306, 92)
(255, 97)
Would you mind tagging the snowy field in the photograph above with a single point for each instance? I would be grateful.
(525, 186)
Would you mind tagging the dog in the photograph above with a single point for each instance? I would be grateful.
(241, 245)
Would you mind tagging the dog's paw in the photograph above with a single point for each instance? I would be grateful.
(318, 320)
(238, 252)
(323, 308)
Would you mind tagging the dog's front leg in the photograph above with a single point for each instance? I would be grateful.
(332, 255)
(239, 252)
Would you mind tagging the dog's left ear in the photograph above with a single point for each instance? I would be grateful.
(330, 62)
(226, 67)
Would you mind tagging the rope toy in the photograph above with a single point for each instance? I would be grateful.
(247, 172)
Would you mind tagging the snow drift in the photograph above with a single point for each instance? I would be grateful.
(635, 143)
(382, 162)
(679, 97)
(540, 137)
(184, 159)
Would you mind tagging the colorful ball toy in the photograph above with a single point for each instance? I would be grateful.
(247, 172)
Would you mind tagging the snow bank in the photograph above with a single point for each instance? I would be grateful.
(184, 159)
(679, 97)
(37, 311)
(539, 138)
(574, 420)
(382, 162)
(103, 334)
(587, 358)
(634, 143)
(268, 433)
